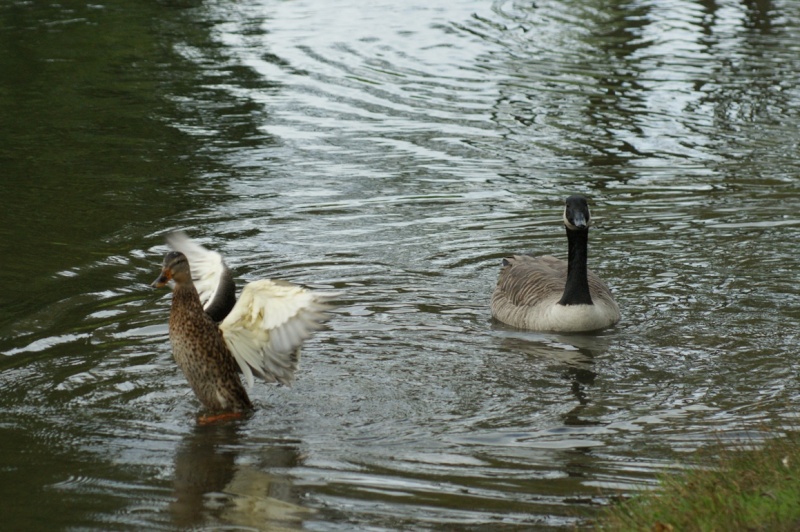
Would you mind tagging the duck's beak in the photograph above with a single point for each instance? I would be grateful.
(162, 280)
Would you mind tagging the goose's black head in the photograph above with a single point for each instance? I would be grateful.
(576, 214)
(176, 267)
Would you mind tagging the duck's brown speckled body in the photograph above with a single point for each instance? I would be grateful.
(201, 353)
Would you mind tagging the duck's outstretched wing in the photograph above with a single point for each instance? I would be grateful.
(210, 274)
(269, 323)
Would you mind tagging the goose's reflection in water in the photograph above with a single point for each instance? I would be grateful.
(212, 489)
(575, 353)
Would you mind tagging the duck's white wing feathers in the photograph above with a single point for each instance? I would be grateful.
(268, 324)
(207, 266)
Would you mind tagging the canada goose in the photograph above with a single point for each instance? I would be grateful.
(261, 333)
(549, 294)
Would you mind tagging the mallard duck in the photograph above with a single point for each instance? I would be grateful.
(259, 334)
(549, 294)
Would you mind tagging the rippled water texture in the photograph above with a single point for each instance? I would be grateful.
(394, 151)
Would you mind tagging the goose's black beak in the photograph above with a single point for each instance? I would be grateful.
(579, 220)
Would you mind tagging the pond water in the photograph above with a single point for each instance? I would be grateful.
(395, 152)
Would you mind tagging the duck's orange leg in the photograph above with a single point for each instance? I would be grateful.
(225, 416)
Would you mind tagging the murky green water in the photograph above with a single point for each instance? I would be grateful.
(396, 152)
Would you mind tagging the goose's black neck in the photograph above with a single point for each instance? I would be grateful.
(576, 290)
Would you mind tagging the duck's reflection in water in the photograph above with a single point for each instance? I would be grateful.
(212, 489)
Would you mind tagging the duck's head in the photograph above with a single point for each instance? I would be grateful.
(576, 213)
(175, 267)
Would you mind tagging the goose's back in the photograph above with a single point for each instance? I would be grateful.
(529, 281)
(528, 291)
